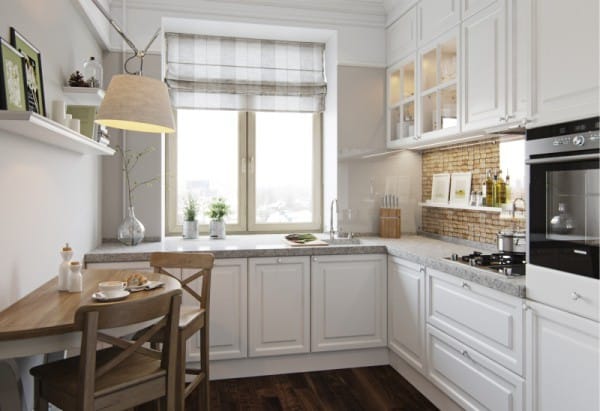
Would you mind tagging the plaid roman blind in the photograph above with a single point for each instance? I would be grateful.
(225, 73)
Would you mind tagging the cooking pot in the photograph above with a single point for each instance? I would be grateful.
(511, 241)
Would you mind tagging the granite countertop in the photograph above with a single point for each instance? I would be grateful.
(420, 249)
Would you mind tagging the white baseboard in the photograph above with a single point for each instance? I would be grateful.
(253, 367)
(422, 384)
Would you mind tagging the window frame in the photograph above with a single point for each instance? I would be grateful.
(246, 189)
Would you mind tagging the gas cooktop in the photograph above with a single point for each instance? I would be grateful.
(509, 264)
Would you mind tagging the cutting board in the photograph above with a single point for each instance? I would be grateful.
(307, 244)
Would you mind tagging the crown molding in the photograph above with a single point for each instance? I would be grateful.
(361, 13)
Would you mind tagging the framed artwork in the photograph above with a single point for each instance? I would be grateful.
(439, 188)
(460, 188)
(34, 80)
(12, 79)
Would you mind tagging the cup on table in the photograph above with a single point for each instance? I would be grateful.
(112, 288)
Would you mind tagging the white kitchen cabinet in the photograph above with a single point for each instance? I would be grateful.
(471, 379)
(401, 36)
(278, 306)
(487, 320)
(563, 360)
(401, 102)
(438, 108)
(436, 17)
(406, 311)
(471, 7)
(348, 302)
(564, 48)
(228, 309)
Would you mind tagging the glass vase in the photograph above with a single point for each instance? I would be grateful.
(131, 231)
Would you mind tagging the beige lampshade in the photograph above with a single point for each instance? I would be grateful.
(136, 103)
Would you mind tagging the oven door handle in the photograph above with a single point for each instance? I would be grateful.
(563, 159)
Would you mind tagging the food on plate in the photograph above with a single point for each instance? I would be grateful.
(136, 279)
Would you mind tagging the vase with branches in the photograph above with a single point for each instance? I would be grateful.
(131, 231)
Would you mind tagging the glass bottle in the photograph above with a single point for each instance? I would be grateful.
(500, 190)
(63, 269)
(131, 231)
(508, 189)
(75, 277)
(489, 190)
(562, 223)
(92, 72)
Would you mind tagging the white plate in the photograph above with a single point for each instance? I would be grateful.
(150, 285)
(99, 296)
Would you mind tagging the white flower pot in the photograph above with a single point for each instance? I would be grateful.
(217, 229)
(190, 229)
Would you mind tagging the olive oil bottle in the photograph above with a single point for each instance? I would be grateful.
(500, 190)
(490, 189)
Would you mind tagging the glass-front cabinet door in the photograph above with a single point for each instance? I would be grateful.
(401, 102)
(438, 86)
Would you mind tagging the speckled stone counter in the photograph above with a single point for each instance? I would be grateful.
(419, 249)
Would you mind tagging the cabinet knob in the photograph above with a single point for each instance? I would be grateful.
(510, 117)
(502, 119)
(575, 296)
(279, 260)
(315, 259)
(526, 307)
(466, 285)
(422, 269)
(465, 354)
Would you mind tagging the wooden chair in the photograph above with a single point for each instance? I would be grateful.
(188, 268)
(121, 376)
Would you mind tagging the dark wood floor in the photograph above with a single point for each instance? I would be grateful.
(369, 388)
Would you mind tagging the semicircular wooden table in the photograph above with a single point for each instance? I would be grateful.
(43, 321)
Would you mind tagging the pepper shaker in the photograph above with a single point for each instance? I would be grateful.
(63, 269)
(75, 278)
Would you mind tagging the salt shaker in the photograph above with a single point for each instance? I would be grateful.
(63, 269)
(75, 278)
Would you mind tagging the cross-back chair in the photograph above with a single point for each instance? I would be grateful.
(125, 374)
(189, 269)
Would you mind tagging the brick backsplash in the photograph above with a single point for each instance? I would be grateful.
(466, 224)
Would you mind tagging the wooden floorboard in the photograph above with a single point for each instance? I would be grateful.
(353, 389)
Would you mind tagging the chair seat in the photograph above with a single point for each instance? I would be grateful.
(133, 370)
(190, 314)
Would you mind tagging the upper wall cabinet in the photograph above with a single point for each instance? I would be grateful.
(470, 7)
(401, 80)
(436, 17)
(402, 36)
(564, 47)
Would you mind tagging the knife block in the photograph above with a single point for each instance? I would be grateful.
(389, 222)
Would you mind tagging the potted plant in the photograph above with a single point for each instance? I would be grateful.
(190, 224)
(217, 210)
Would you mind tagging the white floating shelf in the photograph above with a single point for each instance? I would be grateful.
(44, 130)
(83, 96)
(461, 207)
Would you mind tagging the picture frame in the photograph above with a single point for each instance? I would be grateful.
(34, 79)
(460, 188)
(12, 78)
(440, 187)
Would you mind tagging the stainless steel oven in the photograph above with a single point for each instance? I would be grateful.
(564, 196)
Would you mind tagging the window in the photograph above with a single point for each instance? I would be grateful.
(267, 165)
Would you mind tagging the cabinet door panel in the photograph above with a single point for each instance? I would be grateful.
(563, 361)
(348, 302)
(228, 309)
(470, 7)
(436, 17)
(406, 311)
(565, 50)
(484, 68)
(402, 36)
(278, 301)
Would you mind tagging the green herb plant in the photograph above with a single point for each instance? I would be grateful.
(217, 209)
(190, 208)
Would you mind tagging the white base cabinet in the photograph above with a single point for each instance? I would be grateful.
(472, 379)
(348, 302)
(279, 306)
(563, 362)
(406, 311)
(228, 309)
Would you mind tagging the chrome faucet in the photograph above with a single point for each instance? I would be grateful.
(331, 230)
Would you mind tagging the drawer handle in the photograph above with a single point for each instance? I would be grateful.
(466, 285)
(465, 354)
(422, 269)
(575, 296)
